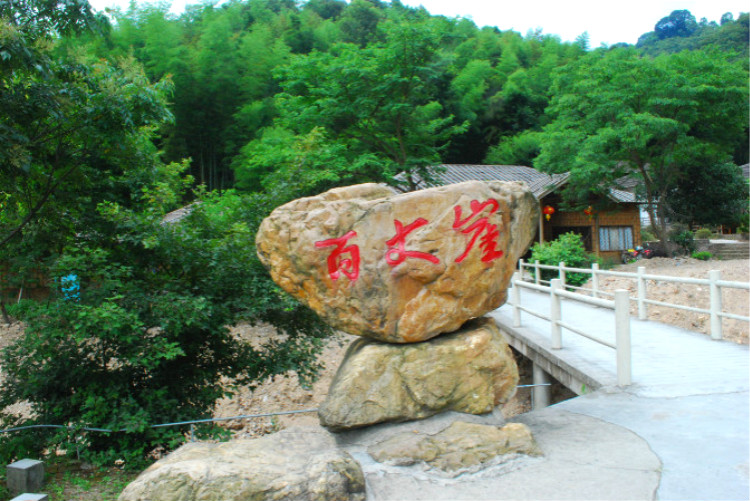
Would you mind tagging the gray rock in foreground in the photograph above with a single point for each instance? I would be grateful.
(460, 448)
(584, 458)
(295, 464)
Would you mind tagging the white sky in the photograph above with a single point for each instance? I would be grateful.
(606, 21)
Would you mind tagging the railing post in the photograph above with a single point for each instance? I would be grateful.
(520, 266)
(516, 298)
(594, 280)
(562, 272)
(622, 336)
(642, 311)
(716, 304)
(540, 393)
(555, 314)
(537, 277)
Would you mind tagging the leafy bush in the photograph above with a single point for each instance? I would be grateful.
(703, 255)
(703, 234)
(681, 235)
(647, 236)
(744, 226)
(147, 340)
(567, 248)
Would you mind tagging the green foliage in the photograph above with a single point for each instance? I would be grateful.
(703, 234)
(681, 235)
(416, 72)
(355, 114)
(647, 235)
(68, 127)
(148, 342)
(146, 339)
(679, 32)
(567, 248)
(515, 150)
(616, 113)
(292, 99)
(680, 23)
(703, 255)
(744, 226)
(37, 18)
(709, 189)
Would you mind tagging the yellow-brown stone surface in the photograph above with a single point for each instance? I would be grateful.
(471, 370)
(297, 463)
(400, 268)
(459, 448)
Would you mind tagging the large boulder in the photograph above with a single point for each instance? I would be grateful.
(294, 464)
(400, 268)
(460, 448)
(470, 371)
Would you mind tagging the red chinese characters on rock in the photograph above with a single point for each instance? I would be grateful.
(481, 227)
(338, 265)
(397, 244)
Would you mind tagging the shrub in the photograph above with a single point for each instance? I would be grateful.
(146, 341)
(744, 226)
(703, 255)
(647, 236)
(703, 234)
(567, 248)
(681, 235)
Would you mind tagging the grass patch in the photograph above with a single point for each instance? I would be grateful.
(67, 480)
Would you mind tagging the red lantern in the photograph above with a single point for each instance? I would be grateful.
(548, 211)
(588, 211)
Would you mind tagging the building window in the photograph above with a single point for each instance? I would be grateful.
(615, 238)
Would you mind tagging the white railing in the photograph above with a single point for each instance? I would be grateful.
(714, 283)
(556, 289)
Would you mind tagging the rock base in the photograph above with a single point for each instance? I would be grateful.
(471, 370)
(462, 447)
(294, 464)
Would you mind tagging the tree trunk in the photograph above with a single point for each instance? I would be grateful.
(6, 317)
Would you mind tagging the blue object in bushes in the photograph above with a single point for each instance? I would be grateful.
(70, 287)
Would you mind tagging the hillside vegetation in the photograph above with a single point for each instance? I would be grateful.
(110, 121)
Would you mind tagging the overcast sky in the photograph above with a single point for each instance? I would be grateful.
(606, 21)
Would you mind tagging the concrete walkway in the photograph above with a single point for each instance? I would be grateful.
(689, 400)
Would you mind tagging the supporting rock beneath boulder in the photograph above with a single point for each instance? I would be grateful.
(460, 448)
(471, 371)
(290, 465)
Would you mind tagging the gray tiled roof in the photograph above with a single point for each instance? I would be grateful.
(623, 196)
(540, 183)
(178, 215)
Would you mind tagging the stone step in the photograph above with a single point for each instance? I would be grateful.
(739, 250)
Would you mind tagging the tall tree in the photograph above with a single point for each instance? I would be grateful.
(710, 190)
(41, 17)
(680, 23)
(379, 102)
(64, 126)
(618, 114)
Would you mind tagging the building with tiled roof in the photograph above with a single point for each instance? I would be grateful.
(605, 232)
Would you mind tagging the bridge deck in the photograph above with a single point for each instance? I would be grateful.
(667, 361)
(689, 398)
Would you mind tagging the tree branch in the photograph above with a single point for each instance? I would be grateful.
(48, 190)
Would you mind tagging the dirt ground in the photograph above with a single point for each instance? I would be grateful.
(733, 300)
(284, 393)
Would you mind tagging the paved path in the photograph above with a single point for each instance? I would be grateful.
(689, 399)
